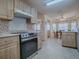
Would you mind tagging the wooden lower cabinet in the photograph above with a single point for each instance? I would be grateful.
(2, 54)
(40, 43)
(69, 39)
(10, 51)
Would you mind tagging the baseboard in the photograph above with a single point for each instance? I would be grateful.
(69, 47)
(33, 55)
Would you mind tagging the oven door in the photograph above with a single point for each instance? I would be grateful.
(28, 48)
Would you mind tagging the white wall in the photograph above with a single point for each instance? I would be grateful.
(18, 24)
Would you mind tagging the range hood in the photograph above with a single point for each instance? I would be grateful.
(19, 13)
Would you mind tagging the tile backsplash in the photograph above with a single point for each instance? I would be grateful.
(4, 26)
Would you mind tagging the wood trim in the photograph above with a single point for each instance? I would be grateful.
(69, 47)
(5, 18)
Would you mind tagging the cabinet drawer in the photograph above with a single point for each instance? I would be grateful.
(8, 40)
(8, 45)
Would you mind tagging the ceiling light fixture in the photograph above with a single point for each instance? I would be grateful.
(53, 2)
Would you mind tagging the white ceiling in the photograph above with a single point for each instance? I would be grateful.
(53, 10)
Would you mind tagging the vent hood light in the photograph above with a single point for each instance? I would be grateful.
(53, 2)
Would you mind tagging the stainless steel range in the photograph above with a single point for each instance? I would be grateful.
(29, 44)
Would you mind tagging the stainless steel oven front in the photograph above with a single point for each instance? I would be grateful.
(28, 47)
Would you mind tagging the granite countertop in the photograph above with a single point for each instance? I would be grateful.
(7, 35)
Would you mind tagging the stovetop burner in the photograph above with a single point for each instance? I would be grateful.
(25, 35)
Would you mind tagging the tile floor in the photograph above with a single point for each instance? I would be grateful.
(52, 49)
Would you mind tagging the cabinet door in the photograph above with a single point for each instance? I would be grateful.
(14, 52)
(11, 52)
(27, 8)
(2, 54)
(16, 4)
(21, 4)
(69, 40)
(10, 9)
(3, 9)
(24, 7)
(5, 53)
(34, 14)
(39, 43)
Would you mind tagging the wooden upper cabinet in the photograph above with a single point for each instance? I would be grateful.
(3, 9)
(17, 4)
(22, 6)
(34, 14)
(10, 9)
(6, 9)
(27, 8)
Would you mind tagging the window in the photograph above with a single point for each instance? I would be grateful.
(54, 27)
(37, 27)
(47, 26)
(74, 27)
(63, 27)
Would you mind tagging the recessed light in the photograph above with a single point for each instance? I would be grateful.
(53, 2)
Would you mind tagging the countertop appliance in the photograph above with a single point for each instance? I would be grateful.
(29, 44)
